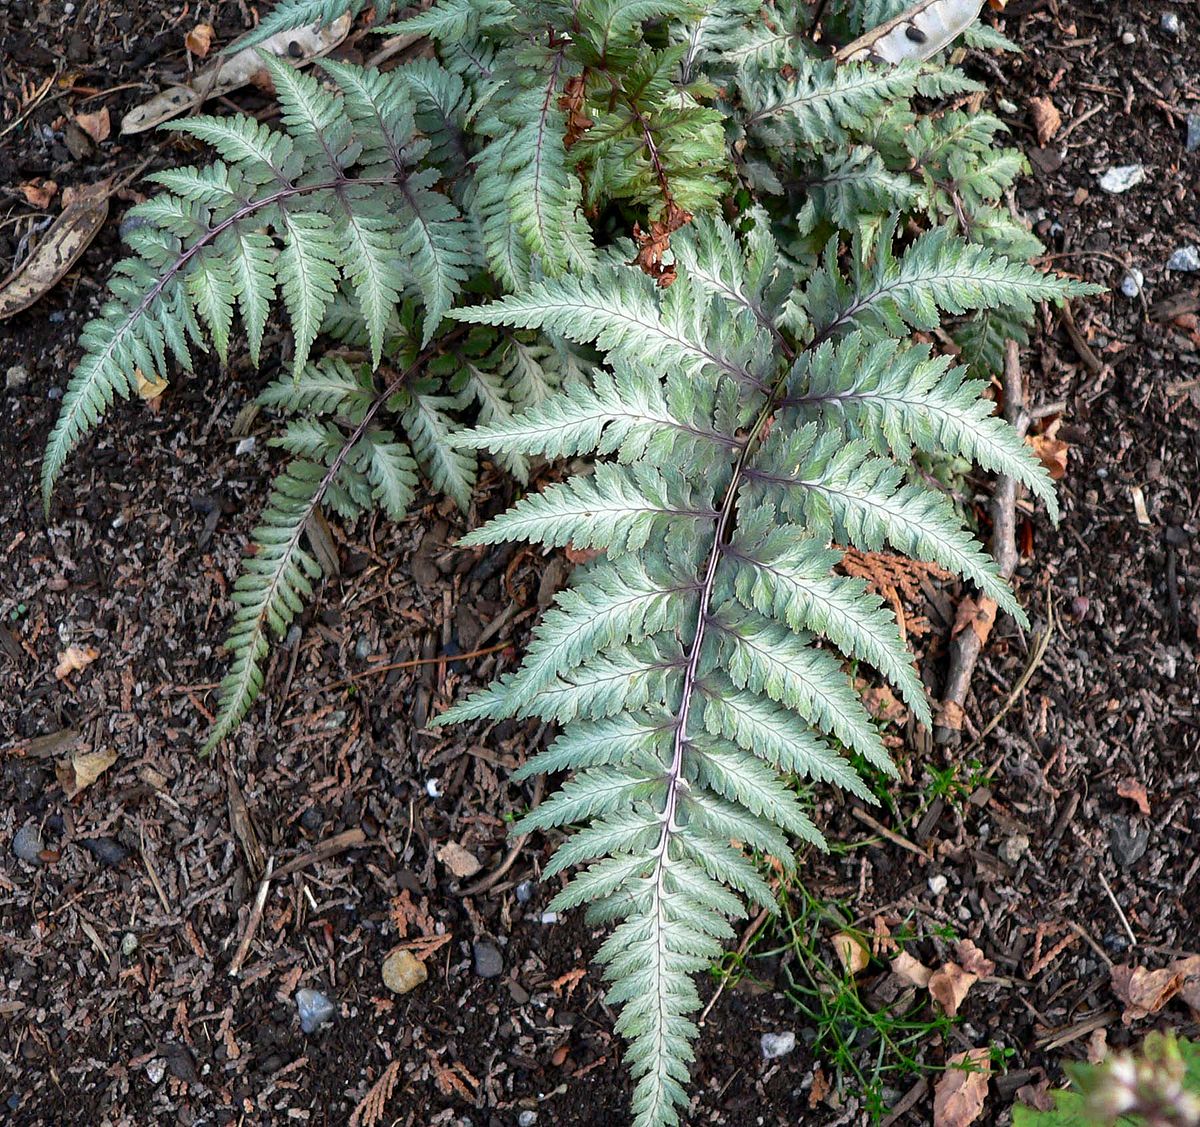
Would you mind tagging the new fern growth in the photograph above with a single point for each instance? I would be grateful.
(741, 374)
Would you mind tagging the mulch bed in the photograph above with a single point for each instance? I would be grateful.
(115, 946)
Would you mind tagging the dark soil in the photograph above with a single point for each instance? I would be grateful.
(115, 946)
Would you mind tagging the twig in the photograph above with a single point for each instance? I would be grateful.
(967, 645)
(256, 913)
(1090, 360)
(377, 669)
(1120, 911)
(747, 935)
(1035, 659)
(514, 851)
(330, 847)
(891, 835)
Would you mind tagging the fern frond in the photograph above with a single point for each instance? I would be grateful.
(286, 213)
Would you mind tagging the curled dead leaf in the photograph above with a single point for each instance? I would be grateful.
(972, 959)
(96, 125)
(199, 40)
(69, 236)
(911, 970)
(851, 952)
(882, 704)
(949, 985)
(1052, 453)
(1145, 992)
(74, 658)
(958, 1097)
(1047, 121)
(83, 769)
(977, 614)
(148, 389)
(1132, 789)
(38, 193)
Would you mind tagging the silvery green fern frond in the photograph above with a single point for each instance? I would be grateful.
(695, 664)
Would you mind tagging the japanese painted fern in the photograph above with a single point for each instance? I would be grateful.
(742, 375)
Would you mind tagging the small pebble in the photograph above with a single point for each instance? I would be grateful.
(27, 843)
(362, 648)
(487, 958)
(403, 971)
(1122, 178)
(17, 376)
(1128, 38)
(1193, 134)
(524, 891)
(1185, 259)
(1131, 284)
(129, 943)
(314, 1009)
(1169, 23)
(156, 1070)
(777, 1044)
(1012, 849)
(245, 446)
(105, 849)
(433, 788)
(527, 1119)
(549, 917)
(938, 884)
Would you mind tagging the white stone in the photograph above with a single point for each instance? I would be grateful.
(1185, 259)
(1122, 178)
(938, 884)
(777, 1044)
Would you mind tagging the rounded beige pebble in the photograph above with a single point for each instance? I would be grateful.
(403, 971)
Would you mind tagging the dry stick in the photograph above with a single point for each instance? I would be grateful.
(1120, 912)
(256, 912)
(330, 847)
(966, 647)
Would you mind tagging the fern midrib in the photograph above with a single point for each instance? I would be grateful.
(543, 129)
(870, 78)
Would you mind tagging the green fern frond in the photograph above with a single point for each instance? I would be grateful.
(284, 213)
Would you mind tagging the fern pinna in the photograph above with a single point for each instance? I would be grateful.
(743, 376)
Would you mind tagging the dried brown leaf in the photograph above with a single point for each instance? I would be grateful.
(82, 769)
(148, 389)
(911, 970)
(199, 40)
(850, 952)
(882, 704)
(74, 658)
(972, 959)
(1145, 992)
(949, 985)
(1052, 452)
(38, 193)
(96, 125)
(978, 615)
(1047, 121)
(1131, 788)
(958, 1097)
(69, 236)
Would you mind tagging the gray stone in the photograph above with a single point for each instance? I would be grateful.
(489, 963)
(16, 377)
(314, 1009)
(1122, 178)
(27, 843)
(1012, 849)
(527, 1119)
(1127, 845)
(1170, 23)
(524, 892)
(777, 1044)
(1131, 284)
(1185, 259)
(1193, 134)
